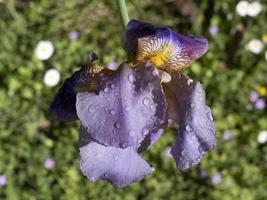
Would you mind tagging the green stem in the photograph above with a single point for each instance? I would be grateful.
(123, 12)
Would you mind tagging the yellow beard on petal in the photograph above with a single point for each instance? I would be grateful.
(161, 57)
(163, 54)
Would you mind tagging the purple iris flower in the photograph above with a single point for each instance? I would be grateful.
(123, 112)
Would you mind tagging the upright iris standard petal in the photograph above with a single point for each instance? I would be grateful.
(63, 107)
(119, 166)
(130, 104)
(168, 50)
(196, 128)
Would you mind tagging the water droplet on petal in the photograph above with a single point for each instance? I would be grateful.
(145, 132)
(112, 86)
(116, 157)
(145, 101)
(210, 116)
(127, 108)
(188, 127)
(131, 78)
(113, 112)
(93, 179)
(91, 109)
(189, 81)
(192, 105)
(117, 125)
(131, 133)
(106, 90)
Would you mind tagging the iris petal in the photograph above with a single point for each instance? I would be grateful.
(119, 166)
(63, 107)
(196, 128)
(130, 104)
(168, 50)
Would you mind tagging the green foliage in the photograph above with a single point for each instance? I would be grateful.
(28, 136)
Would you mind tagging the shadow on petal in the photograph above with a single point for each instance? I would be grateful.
(187, 106)
(63, 107)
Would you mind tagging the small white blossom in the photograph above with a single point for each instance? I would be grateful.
(254, 9)
(255, 46)
(51, 77)
(44, 50)
(242, 8)
(262, 137)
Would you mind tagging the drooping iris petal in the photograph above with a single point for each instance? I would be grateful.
(129, 105)
(150, 139)
(196, 128)
(63, 107)
(119, 166)
(168, 50)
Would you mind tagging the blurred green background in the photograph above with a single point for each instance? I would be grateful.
(230, 71)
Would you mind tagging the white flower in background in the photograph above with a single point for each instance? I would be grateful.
(254, 9)
(262, 137)
(255, 46)
(242, 8)
(44, 50)
(51, 77)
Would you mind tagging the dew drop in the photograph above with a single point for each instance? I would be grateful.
(93, 179)
(112, 86)
(106, 90)
(91, 109)
(116, 157)
(131, 78)
(145, 132)
(192, 105)
(210, 116)
(188, 128)
(189, 81)
(131, 133)
(112, 112)
(145, 101)
(124, 145)
(127, 108)
(117, 125)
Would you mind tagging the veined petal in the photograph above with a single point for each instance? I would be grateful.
(118, 166)
(187, 106)
(168, 50)
(63, 107)
(130, 104)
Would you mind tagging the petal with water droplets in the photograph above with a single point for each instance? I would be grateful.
(119, 166)
(187, 106)
(124, 114)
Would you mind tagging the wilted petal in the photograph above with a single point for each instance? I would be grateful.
(129, 105)
(119, 166)
(196, 128)
(168, 50)
(63, 107)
